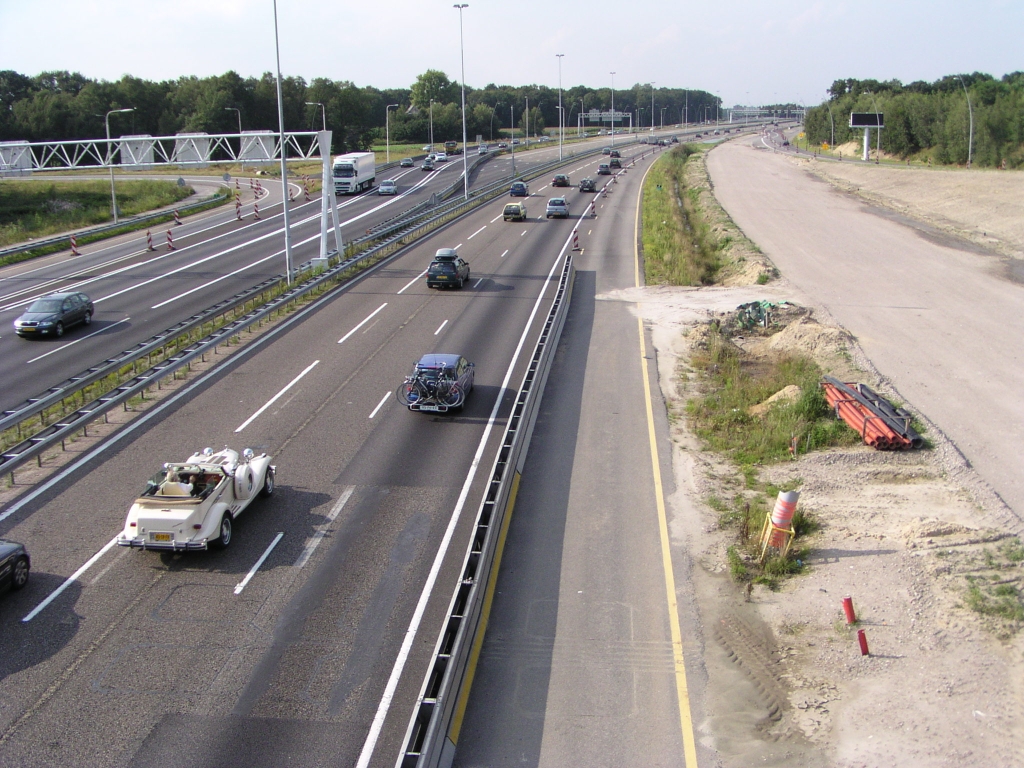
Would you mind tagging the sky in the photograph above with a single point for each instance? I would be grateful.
(745, 51)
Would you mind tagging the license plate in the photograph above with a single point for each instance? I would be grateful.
(430, 408)
(161, 536)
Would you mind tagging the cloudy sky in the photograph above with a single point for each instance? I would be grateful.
(746, 51)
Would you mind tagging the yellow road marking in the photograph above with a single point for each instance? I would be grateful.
(682, 690)
(474, 655)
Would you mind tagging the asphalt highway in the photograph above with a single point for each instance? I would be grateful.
(147, 659)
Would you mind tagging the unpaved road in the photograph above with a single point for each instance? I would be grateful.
(941, 319)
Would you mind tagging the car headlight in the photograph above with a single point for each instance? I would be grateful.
(45, 323)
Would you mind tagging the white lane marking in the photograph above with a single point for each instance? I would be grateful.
(218, 279)
(504, 254)
(497, 217)
(590, 231)
(314, 541)
(522, 233)
(441, 327)
(457, 247)
(276, 397)
(70, 580)
(72, 343)
(543, 188)
(414, 625)
(475, 285)
(380, 404)
(412, 282)
(252, 571)
(363, 322)
(478, 231)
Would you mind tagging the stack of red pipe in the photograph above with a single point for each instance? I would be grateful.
(865, 422)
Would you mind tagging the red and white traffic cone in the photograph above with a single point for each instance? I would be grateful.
(251, 185)
(238, 209)
(74, 246)
(177, 219)
(236, 184)
(256, 211)
(575, 240)
(305, 191)
(149, 241)
(170, 241)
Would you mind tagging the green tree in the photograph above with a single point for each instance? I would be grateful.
(434, 84)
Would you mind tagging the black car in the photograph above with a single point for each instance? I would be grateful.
(52, 315)
(615, 163)
(614, 153)
(14, 565)
(588, 185)
(447, 269)
(560, 180)
(438, 383)
(406, 162)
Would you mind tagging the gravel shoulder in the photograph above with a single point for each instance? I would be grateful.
(907, 535)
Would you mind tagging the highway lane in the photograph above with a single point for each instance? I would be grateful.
(578, 666)
(147, 653)
(138, 293)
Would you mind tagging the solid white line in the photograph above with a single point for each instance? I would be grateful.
(441, 327)
(274, 399)
(314, 541)
(410, 634)
(252, 571)
(498, 217)
(364, 322)
(70, 580)
(522, 233)
(412, 282)
(218, 279)
(503, 255)
(380, 404)
(475, 285)
(478, 231)
(72, 343)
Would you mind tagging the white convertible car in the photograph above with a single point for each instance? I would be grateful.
(192, 505)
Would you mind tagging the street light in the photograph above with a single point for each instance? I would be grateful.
(580, 131)
(312, 104)
(970, 112)
(493, 110)
(613, 108)
(663, 118)
(240, 148)
(431, 125)
(110, 159)
(387, 130)
(512, 140)
(652, 106)
(462, 56)
(561, 116)
(284, 167)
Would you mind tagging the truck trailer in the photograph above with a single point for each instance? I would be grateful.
(452, 148)
(354, 172)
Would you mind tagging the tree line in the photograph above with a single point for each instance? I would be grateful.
(931, 119)
(55, 106)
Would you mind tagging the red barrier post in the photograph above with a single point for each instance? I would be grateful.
(851, 616)
(863, 640)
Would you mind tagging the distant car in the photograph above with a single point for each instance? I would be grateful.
(614, 153)
(52, 315)
(427, 165)
(697, 136)
(543, 138)
(406, 162)
(560, 180)
(515, 141)
(615, 162)
(514, 212)
(14, 565)
(604, 170)
(388, 187)
(588, 185)
(447, 270)
(441, 157)
(718, 133)
(675, 139)
(557, 208)
(661, 143)
(482, 149)
(785, 143)
(606, 151)
(518, 189)
(193, 504)
(438, 383)
(727, 130)
(502, 145)
(428, 148)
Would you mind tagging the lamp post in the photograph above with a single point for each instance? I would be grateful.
(652, 106)
(970, 112)
(493, 110)
(833, 122)
(311, 104)
(240, 148)
(512, 139)
(284, 166)
(663, 118)
(110, 158)
(431, 125)
(613, 109)
(526, 137)
(686, 106)
(561, 115)
(387, 131)
(462, 56)
(580, 131)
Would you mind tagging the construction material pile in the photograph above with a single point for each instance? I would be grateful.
(871, 416)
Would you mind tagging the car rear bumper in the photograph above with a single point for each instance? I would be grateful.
(139, 542)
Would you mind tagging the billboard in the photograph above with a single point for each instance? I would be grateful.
(867, 120)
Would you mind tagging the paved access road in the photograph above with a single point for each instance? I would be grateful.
(158, 660)
(943, 321)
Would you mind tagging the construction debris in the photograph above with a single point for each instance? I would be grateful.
(871, 416)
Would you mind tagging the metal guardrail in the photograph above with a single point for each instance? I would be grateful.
(432, 732)
(398, 235)
(104, 228)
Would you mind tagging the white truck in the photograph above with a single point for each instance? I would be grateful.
(354, 172)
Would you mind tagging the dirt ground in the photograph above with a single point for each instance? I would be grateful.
(906, 535)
